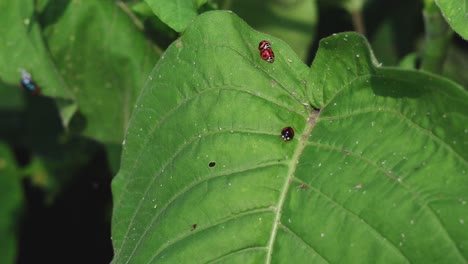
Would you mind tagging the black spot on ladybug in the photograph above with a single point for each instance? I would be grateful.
(212, 164)
(194, 226)
(287, 133)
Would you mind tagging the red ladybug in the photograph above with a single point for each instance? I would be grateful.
(268, 55)
(264, 45)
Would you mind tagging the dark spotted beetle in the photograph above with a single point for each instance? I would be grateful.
(28, 84)
(287, 133)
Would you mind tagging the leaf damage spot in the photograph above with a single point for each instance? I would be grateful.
(211, 164)
(302, 186)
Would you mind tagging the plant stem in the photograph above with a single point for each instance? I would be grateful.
(438, 34)
(226, 5)
(358, 22)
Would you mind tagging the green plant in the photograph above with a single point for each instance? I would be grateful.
(378, 160)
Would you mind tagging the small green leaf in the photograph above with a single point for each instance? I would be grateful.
(456, 14)
(11, 198)
(177, 14)
(206, 177)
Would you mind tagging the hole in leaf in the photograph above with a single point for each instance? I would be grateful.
(212, 164)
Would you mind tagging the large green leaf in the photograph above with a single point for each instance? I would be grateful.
(11, 198)
(22, 47)
(104, 58)
(456, 14)
(82, 53)
(378, 174)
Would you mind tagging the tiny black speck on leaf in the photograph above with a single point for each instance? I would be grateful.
(212, 164)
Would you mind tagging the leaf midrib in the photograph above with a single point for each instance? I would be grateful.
(311, 121)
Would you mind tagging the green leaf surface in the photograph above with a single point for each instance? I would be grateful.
(177, 14)
(101, 54)
(292, 21)
(11, 198)
(456, 14)
(206, 177)
(82, 53)
(22, 47)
